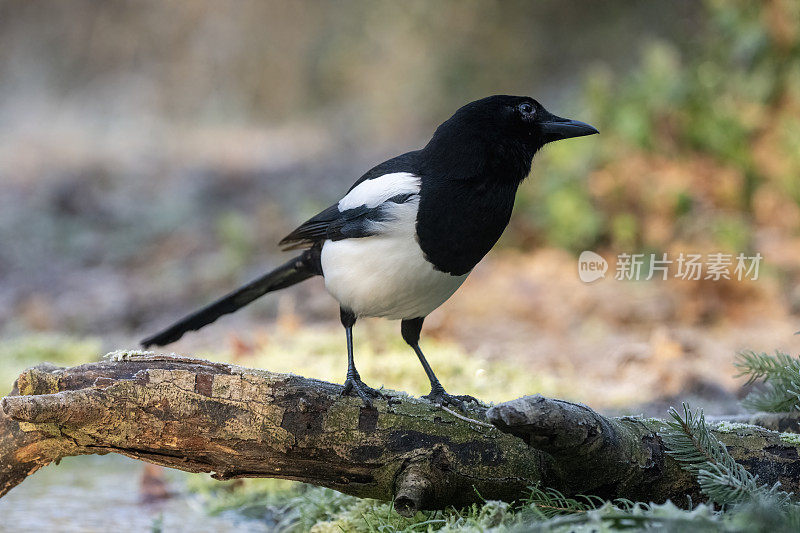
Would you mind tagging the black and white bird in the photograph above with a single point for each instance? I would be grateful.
(409, 231)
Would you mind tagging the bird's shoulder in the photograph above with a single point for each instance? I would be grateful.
(407, 162)
(368, 200)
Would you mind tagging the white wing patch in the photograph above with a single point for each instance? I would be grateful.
(374, 192)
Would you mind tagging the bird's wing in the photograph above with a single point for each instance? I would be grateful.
(367, 209)
(311, 231)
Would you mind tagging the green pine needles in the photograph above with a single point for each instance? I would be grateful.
(781, 375)
(721, 478)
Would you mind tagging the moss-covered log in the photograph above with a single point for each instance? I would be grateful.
(199, 416)
(625, 457)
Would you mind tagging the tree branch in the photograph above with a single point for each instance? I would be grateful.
(199, 416)
(236, 422)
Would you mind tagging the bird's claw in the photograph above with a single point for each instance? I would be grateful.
(361, 389)
(441, 397)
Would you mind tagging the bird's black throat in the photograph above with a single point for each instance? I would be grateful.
(457, 224)
(466, 200)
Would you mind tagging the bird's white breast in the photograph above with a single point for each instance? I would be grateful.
(386, 275)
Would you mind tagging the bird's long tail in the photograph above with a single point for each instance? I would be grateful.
(300, 268)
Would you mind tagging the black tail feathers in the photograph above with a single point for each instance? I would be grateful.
(299, 269)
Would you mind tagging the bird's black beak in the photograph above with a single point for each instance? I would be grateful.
(555, 128)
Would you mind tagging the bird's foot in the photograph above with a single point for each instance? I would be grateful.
(361, 389)
(440, 397)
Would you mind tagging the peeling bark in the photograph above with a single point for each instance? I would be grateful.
(199, 416)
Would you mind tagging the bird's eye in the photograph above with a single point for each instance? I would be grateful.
(526, 108)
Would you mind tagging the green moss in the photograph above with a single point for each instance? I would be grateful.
(343, 415)
(298, 508)
(791, 438)
(732, 427)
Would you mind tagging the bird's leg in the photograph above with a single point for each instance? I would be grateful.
(410, 329)
(353, 382)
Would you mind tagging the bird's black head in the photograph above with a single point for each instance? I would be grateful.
(517, 118)
(501, 127)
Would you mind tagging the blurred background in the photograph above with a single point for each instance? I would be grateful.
(153, 153)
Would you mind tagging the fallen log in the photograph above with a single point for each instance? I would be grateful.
(199, 416)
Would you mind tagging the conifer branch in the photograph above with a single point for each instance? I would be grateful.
(690, 441)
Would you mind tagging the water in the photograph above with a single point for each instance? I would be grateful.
(101, 494)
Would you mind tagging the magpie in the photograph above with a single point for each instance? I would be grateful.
(409, 231)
